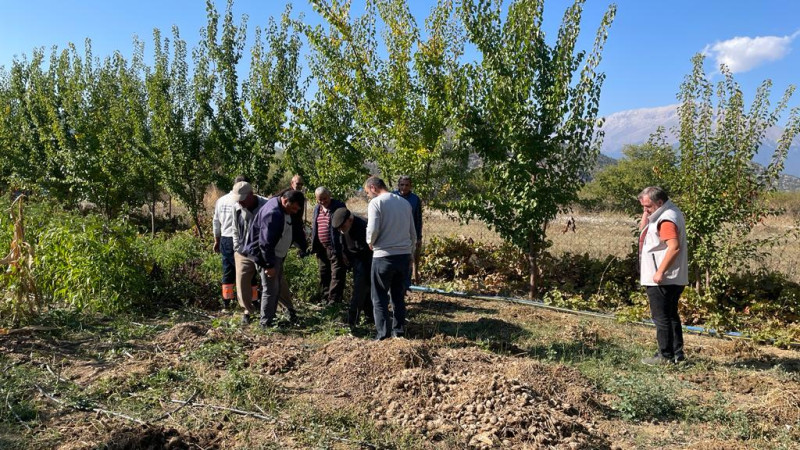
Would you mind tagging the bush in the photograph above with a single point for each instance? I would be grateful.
(87, 263)
(183, 269)
(303, 276)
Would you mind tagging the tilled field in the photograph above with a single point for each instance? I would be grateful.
(471, 375)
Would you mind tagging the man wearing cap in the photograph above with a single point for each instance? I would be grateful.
(326, 244)
(271, 232)
(392, 237)
(359, 256)
(404, 190)
(223, 227)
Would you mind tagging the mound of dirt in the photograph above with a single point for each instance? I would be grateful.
(187, 335)
(150, 437)
(278, 357)
(485, 400)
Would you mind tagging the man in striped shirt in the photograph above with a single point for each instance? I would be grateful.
(327, 246)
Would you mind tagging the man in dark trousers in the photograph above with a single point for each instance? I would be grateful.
(392, 237)
(272, 236)
(404, 190)
(664, 270)
(327, 246)
(359, 257)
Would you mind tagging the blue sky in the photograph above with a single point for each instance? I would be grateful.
(647, 55)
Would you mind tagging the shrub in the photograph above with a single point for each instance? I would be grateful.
(183, 269)
(87, 263)
(645, 398)
(303, 276)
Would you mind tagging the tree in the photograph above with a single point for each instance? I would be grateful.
(393, 108)
(530, 120)
(717, 185)
(271, 92)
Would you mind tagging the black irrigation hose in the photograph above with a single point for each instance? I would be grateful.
(539, 304)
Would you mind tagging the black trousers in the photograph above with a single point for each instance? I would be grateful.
(664, 310)
(332, 275)
(361, 299)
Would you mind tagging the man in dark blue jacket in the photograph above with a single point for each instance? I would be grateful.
(404, 190)
(359, 257)
(327, 246)
(272, 236)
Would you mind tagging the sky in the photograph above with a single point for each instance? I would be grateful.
(647, 55)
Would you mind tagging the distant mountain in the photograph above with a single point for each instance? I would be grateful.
(636, 125)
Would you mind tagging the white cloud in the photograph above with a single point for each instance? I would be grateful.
(741, 54)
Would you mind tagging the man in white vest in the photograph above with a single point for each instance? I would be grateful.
(664, 267)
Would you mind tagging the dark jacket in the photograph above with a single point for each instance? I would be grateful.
(298, 231)
(266, 230)
(316, 245)
(355, 241)
(416, 211)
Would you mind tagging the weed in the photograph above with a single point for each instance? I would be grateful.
(645, 398)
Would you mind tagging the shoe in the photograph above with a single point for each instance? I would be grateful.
(269, 324)
(293, 319)
(657, 360)
(245, 319)
(398, 335)
(680, 359)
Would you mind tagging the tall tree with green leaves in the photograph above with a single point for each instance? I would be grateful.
(532, 119)
(718, 187)
(272, 91)
(394, 95)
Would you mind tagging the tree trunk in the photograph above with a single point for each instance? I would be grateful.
(153, 217)
(533, 259)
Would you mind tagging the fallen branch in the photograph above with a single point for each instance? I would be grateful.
(185, 404)
(97, 410)
(223, 408)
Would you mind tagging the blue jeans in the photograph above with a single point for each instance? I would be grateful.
(389, 275)
(271, 291)
(228, 263)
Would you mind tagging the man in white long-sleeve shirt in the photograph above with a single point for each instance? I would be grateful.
(392, 237)
(223, 225)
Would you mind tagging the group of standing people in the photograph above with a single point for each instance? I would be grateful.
(254, 235)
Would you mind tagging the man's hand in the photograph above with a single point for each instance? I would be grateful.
(270, 272)
(216, 245)
(658, 277)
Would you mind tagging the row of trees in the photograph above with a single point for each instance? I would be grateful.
(503, 139)
(120, 133)
(506, 138)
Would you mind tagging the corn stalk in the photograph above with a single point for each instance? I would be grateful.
(19, 299)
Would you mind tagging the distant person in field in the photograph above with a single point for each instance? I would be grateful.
(664, 267)
(327, 246)
(392, 237)
(404, 187)
(271, 232)
(223, 227)
(358, 255)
